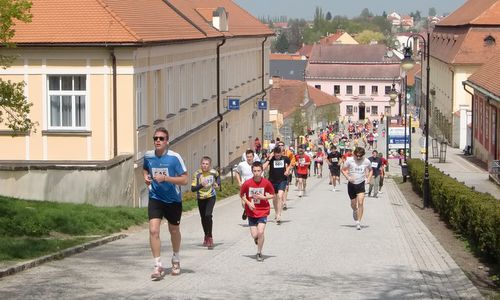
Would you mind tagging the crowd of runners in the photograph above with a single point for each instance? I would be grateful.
(264, 175)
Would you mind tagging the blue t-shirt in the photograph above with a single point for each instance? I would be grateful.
(170, 164)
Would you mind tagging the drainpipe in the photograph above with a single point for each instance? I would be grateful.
(263, 90)
(472, 120)
(115, 110)
(219, 114)
(452, 105)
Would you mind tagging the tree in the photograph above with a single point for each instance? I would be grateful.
(328, 16)
(366, 14)
(366, 36)
(282, 44)
(330, 113)
(432, 12)
(14, 107)
(299, 123)
(417, 17)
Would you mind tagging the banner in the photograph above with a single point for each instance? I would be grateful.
(397, 144)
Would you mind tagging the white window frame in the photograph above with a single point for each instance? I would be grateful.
(72, 93)
(156, 94)
(141, 99)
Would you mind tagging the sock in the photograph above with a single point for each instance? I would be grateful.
(175, 257)
(158, 261)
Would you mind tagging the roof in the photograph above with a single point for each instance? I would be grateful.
(351, 53)
(287, 96)
(464, 45)
(487, 77)
(280, 56)
(306, 50)
(288, 69)
(353, 71)
(130, 21)
(331, 38)
(474, 12)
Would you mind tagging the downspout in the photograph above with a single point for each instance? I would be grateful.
(263, 89)
(452, 105)
(115, 110)
(219, 114)
(472, 119)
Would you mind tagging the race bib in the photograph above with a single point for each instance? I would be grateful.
(159, 171)
(374, 165)
(302, 160)
(279, 164)
(255, 191)
(209, 180)
(358, 170)
(335, 160)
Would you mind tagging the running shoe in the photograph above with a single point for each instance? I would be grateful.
(358, 226)
(334, 190)
(244, 215)
(278, 221)
(205, 241)
(176, 267)
(380, 192)
(355, 215)
(210, 243)
(158, 273)
(259, 257)
(284, 207)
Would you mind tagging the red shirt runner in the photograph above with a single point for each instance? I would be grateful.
(249, 188)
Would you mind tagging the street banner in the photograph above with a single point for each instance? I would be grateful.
(397, 141)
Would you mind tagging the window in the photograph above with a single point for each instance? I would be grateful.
(387, 90)
(348, 90)
(318, 86)
(68, 101)
(374, 90)
(336, 89)
(156, 94)
(374, 110)
(140, 99)
(349, 109)
(362, 90)
(355, 109)
(367, 109)
(387, 110)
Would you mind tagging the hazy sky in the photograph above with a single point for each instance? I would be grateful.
(305, 8)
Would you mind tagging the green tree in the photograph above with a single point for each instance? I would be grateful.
(299, 123)
(330, 113)
(282, 44)
(295, 33)
(14, 107)
(328, 16)
(432, 12)
(366, 36)
(366, 14)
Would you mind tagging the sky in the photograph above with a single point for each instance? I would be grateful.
(350, 8)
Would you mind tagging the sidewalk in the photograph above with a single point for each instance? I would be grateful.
(315, 254)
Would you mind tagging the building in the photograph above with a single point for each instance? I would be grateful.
(288, 97)
(102, 75)
(485, 94)
(460, 44)
(340, 37)
(361, 76)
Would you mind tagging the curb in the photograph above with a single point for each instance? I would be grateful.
(59, 255)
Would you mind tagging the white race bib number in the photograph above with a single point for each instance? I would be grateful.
(255, 191)
(279, 164)
(160, 171)
(374, 165)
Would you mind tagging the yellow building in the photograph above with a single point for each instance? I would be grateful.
(102, 75)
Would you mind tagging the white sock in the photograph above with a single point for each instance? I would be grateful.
(175, 257)
(158, 261)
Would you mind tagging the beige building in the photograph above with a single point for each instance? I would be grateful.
(460, 44)
(102, 75)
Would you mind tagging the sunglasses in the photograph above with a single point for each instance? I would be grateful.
(160, 138)
(359, 156)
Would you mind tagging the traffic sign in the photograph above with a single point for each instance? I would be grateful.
(233, 103)
(262, 104)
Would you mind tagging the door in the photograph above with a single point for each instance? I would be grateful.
(361, 111)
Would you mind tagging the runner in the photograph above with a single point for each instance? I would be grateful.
(288, 153)
(205, 181)
(255, 194)
(383, 163)
(357, 170)
(279, 168)
(244, 172)
(376, 164)
(164, 171)
(303, 163)
(318, 162)
(333, 159)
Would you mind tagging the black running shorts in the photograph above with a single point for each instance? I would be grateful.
(171, 211)
(354, 189)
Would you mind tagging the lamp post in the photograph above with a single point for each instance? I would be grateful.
(407, 63)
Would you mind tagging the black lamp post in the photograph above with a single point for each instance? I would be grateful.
(407, 64)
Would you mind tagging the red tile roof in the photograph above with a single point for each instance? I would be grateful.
(280, 56)
(343, 53)
(331, 38)
(476, 12)
(306, 50)
(487, 76)
(130, 21)
(288, 95)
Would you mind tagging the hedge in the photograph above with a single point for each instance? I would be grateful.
(475, 215)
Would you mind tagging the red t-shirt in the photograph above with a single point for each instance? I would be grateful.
(250, 187)
(303, 162)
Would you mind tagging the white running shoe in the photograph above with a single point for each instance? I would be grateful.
(358, 225)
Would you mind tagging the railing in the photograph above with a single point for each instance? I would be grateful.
(495, 170)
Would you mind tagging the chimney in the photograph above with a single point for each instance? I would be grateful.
(220, 19)
(276, 82)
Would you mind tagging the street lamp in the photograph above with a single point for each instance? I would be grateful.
(407, 63)
(393, 94)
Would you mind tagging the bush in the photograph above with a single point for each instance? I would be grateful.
(475, 215)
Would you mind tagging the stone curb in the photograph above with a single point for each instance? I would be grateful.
(59, 255)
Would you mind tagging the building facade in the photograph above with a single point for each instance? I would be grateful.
(99, 92)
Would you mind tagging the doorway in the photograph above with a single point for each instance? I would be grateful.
(361, 111)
